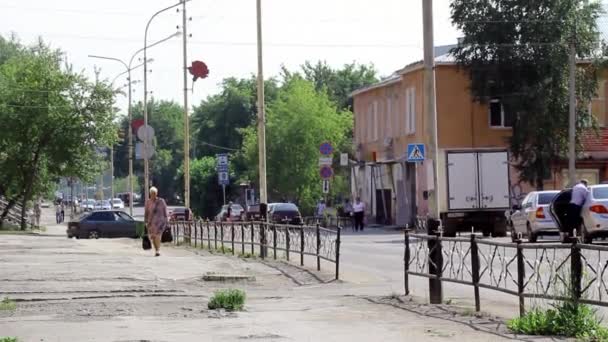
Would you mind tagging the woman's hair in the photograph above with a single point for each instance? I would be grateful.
(154, 190)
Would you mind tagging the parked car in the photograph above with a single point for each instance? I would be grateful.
(102, 224)
(117, 203)
(236, 214)
(286, 213)
(533, 218)
(594, 213)
(253, 212)
(103, 205)
(88, 205)
(181, 214)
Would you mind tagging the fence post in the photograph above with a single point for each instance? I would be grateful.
(287, 242)
(475, 271)
(274, 240)
(435, 262)
(521, 275)
(318, 248)
(189, 233)
(406, 260)
(252, 239)
(215, 235)
(338, 253)
(195, 235)
(243, 239)
(208, 235)
(302, 246)
(222, 236)
(232, 231)
(576, 272)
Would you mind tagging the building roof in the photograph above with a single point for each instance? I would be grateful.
(394, 78)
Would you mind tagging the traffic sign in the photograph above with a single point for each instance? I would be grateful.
(326, 172)
(415, 152)
(326, 148)
(139, 148)
(222, 178)
(325, 161)
(222, 159)
(325, 186)
(142, 130)
(222, 168)
(344, 159)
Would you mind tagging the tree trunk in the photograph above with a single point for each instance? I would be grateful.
(11, 203)
(26, 196)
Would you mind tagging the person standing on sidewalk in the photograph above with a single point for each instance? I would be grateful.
(57, 212)
(579, 196)
(156, 217)
(348, 212)
(359, 214)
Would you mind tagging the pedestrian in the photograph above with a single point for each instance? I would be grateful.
(359, 214)
(57, 212)
(62, 211)
(156, 217)
(320, 210)
(573, 218)
(348, 212)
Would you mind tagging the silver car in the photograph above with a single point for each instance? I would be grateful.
(533, 218)
(595, 213)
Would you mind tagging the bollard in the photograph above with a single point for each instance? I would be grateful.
(287, 242)
(475, 270)
(318, 248)
(435, 261)
(302, 246)
(521, 275)
(232, 231)
(406, 259)
(338, 253)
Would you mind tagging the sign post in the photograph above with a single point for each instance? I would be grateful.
(223, 177)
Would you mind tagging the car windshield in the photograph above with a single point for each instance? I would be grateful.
(546, 197)
(116, 200)
(600, 192)
(284, 207)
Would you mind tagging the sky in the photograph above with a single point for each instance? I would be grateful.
(387, 33)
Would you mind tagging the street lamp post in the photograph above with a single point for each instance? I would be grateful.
(146, 138)
(129, 68)
(261, 113)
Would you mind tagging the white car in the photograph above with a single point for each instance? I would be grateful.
(88, 205)
(595, 213)
(117, 203)
(103, 205)
(533, 218)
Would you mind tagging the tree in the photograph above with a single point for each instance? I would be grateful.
(52, 120)
(298, 121)
(517, 52)
(338, 83)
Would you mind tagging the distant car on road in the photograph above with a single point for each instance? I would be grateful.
(117, 203)
(180, 214)
(45, 204)
(533, 218)
(286, 213)
(103, 224)
(253, 212)
(236, 213)
(88, 205)
(103, 205)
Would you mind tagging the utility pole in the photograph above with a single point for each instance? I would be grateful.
(435, 286)
(186, 119)
(261, 110)
(111, 174)
(572, 116)
(130, 137)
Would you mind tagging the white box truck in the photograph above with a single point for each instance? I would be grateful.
(477, 192)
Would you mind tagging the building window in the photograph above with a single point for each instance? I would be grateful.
(375, 122)
(498, 117)
(370, 123)
(410, 110)
(389, 116)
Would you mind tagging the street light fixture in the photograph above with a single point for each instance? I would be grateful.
(128, 70)
(146, 138)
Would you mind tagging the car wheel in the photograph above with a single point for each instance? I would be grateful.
(531, 236)
(585, 237)
(93, 234)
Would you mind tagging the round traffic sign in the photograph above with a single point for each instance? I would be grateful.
(141, 133)
(326, 148)
(326, 171)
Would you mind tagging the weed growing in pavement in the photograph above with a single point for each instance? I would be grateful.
(7, 305)
(8, 339)
(230, 300)
(226, 250)
(247, 256)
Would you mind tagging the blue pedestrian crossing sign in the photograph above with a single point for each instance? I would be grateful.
(415, 152)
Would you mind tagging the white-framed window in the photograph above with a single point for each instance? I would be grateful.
(410, 110)
(375, 122)
(389, 116)
(369, 122)
(498, 118)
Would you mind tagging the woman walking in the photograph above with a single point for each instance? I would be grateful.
(156, 217)
(359, 212)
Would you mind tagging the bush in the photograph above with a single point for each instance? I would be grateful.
(8, 339)
(231, 300)
(569, 319)
(7, 305)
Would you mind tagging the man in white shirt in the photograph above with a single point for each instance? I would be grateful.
(579, 196)
(320, 211)
(359, 214)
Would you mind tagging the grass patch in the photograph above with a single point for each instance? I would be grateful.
(7, 305)
(567, 319)
(247, 256)
(230, 300)
(226, 250)
(8, 339)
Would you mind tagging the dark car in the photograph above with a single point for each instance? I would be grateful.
(253, 212)
(287, 213)
(181, 214)
(106, 223)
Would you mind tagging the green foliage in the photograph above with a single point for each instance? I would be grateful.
(517, 52)
(297, 123)
(7, 305)
(564, 319)
(230, 300)
(8, 339)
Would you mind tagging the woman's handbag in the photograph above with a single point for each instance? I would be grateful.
(167, 235)
(145, 243)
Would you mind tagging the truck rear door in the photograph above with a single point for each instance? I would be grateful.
(462, 180)
(494, 179)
